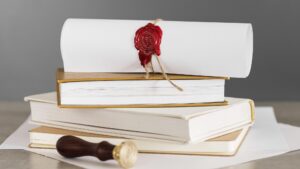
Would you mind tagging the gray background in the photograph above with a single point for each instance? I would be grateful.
(30, 33)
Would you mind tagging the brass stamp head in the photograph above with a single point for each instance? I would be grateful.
(126, 154)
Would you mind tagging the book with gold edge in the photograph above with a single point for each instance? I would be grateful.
(176, 124)
(133, 90)
(225, 145)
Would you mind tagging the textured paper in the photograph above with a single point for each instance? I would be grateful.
(265, 139)
(194, 48)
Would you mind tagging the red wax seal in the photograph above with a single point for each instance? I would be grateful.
(147, 41)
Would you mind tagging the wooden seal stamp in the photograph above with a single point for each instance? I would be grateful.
(125, 153)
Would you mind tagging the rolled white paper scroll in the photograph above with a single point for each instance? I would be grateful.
(192, 48)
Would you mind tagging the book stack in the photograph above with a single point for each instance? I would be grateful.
(102, 92)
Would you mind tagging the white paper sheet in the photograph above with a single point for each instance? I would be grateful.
(196, 48)
(265, 139)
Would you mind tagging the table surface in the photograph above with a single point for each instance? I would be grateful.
(14, 113)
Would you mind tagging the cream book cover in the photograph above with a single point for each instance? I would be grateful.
(228, 144)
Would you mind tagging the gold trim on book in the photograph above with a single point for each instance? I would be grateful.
(58, 88)
(252, 109)
(64, 77)
(146, 105)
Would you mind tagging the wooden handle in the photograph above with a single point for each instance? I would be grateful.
(70, 146)
(125, 153)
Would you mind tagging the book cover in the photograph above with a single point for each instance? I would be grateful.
(225, 145)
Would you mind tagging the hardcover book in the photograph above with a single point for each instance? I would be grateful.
(225, 145)
(179, 124)
(122, 90)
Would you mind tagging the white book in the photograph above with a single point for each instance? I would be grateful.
(228, 144)
(181, 124)
(118, 90)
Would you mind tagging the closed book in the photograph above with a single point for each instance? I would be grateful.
(180, 124)
(225, 145)
(122, 90)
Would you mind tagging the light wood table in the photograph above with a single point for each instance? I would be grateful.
(12, 114)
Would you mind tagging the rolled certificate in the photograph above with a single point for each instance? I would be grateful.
(192, 48)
